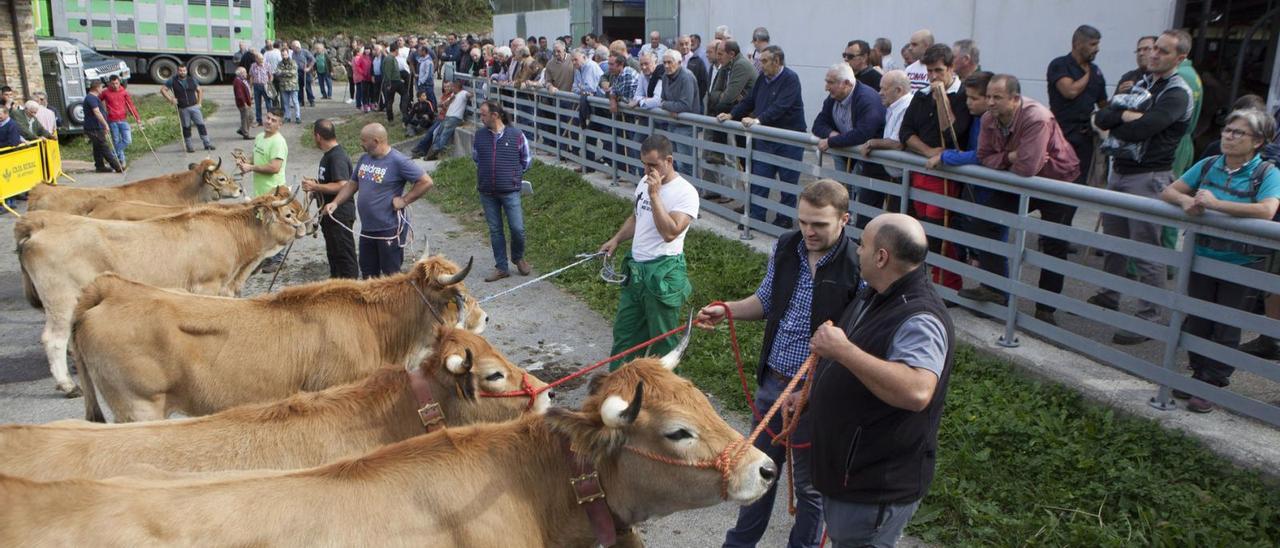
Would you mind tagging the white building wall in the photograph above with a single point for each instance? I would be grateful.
(1015, 36)
(549, 23)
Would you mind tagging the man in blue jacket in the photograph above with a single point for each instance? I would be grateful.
(851, 114)
(775, 101)
(501, 159)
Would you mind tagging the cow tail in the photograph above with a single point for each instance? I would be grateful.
(21, 233)
(89, 298)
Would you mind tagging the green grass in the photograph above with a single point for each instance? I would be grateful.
(348, 130)
(1021, 462)
(162, 124)
(379, 23)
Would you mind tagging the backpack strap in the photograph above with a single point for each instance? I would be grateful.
(1259, 173)
(1204, 169)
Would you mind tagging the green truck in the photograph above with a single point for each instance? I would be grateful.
(154, 36)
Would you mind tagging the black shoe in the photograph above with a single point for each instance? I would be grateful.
(1127, 338)
(1199, 405)
(1098, 300)
(210, 147)
(190, 150)
(1263, 347)
(1046, 316)
(1181, 395)
(983, 293)
(103, 170)
(782, 223)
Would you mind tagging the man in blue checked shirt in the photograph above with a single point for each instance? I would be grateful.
(813, 275)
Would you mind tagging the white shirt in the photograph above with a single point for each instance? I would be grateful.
(919, 76)
(892, 63)
(893, 124)
(678, 196)
(458, 106)
(47, 119)
(271, 58)
(659, 52)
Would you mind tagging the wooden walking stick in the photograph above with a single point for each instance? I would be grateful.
(946, 124)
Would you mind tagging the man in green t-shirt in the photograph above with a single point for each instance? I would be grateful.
(270, 155)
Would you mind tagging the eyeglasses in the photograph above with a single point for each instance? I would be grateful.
(1235, 133)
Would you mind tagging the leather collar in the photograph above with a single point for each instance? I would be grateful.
(429, 409)
(588, 490)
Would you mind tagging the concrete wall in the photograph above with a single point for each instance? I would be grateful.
(549, 23)
(11, 66)
(1016, 36)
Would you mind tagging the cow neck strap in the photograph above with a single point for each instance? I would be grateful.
(429, 409)
(588, 490)
(430, 307)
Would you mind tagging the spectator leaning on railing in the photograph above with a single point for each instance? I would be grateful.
(895, 95)
(1143, 136)
(851, 114)
(1241, 184)
(1021, 136)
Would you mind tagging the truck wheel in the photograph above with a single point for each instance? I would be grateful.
(204, 69)
(162, 69)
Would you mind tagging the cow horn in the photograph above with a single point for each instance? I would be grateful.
(616, 412)
(672, 359)
(458, 365)
(294, 194)
(446, 279)
(219, 166)
(461, 303)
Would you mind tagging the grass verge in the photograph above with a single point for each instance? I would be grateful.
(1021, 462)
(348, 130)
(163, 127)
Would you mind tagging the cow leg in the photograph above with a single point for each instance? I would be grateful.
(139, 410)
(57, 331)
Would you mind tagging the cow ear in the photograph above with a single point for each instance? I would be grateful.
(459, 364)
(191, 166)
(466, 380)
(616, 412)
(587, 435)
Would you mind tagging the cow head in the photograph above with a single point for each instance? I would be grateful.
(656, 439)
(214, 183)
(482, 381)
(442, 279)
(287, 217)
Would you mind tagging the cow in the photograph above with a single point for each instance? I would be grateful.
(304, 430)
(656, 445)
(201, 182)
(133, 210)
(209, 251)
(151, 352)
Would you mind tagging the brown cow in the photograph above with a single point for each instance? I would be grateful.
(201, 182)
(651, 435)
(305, 430)
(151, 352)
(206, 251)
(133, 210)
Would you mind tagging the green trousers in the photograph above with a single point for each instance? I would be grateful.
(649, 305)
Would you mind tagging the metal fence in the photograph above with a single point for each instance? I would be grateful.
(610, 144)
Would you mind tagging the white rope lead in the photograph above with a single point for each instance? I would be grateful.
(582, 258)
(401, 216)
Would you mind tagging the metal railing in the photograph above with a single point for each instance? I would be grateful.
(610, 144)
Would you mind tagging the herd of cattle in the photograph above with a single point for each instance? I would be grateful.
(312, 410)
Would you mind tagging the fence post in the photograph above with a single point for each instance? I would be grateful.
(1163, 399)
(746, 193)
(1010, 338)
(582, 138)
(905, 206)
(559, 140)
(613, 135)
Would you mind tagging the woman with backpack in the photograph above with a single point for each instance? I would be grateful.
(1241, 184)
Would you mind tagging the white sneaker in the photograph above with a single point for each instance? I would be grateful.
(351, 101)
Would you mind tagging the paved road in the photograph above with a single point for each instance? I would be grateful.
(519, 325)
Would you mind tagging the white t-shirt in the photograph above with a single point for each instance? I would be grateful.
(919, 76)
(458, 106)
(893, 125)
(678, 196)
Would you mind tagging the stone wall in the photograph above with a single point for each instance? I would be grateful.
(11, 66)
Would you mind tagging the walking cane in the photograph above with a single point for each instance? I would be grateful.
(143, 130)
(945, 124)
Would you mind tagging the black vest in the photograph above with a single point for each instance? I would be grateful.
(835, 285)
(864, 450)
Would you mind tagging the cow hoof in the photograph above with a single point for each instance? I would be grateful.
(73, 393)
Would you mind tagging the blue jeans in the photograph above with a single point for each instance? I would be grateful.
(753, 518)
(260, 97)
(770, 171)
(121, 138)
(305, 94)
(854, 525)
(326, 84)
(494, 208)
(291, 105)
(442, 132)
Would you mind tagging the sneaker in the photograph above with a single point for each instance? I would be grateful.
(1046, 316)
(983, 293)
(1197, 404)
(1128, 338)
(497, 275)
(522, 266)
(351, 101)
(1263, 347)
(1099, 300)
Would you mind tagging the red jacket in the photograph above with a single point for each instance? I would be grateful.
(362, 67)
(119, 104)
(1035, 135)
(244, 98)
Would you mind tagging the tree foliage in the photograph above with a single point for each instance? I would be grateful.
(320, 12)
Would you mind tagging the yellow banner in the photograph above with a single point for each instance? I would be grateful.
(21, 167)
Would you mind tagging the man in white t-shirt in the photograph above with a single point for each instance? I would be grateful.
(440, 135)
(657, 284)
(916, 71)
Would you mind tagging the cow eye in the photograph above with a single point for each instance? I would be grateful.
(495, 377)
(677, 435)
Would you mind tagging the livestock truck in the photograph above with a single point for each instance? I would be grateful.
(155, 36)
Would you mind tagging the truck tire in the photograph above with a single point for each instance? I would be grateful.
(204, 70)
(162, 69)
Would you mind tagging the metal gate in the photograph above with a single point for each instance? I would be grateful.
(664, 17)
